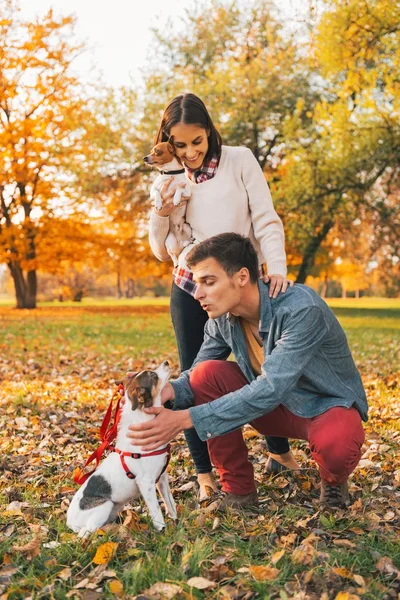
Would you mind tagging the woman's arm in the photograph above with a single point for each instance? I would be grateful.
(159, 221)
(268, 228)
(158, 231)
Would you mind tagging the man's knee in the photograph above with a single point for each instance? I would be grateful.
(338, 453)
(212, 379)
(203, 372)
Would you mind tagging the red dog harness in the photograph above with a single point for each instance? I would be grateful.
(136, 455)
(107, 436)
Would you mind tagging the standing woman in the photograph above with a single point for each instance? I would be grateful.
(229, 193)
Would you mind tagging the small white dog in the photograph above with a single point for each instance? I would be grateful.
(180, 233)
(126, 472)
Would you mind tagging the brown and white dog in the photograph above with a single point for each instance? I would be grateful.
(180, 234)
(126, 472)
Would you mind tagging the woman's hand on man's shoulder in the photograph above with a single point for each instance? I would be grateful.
(277, 284)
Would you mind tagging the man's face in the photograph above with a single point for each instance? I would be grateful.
(216, 291)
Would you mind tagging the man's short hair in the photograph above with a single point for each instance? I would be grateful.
(231, 250)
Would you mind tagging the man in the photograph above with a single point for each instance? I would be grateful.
(294, 376)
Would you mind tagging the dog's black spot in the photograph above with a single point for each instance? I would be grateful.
(97, 491)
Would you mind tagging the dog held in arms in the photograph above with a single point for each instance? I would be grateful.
(179, 237)
(126, 472)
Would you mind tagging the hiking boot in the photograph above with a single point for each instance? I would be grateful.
(223, 500)
(273, 467)
(334, 496)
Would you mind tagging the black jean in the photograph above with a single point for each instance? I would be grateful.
(188, 320)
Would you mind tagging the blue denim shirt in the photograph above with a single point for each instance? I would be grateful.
(308, 366)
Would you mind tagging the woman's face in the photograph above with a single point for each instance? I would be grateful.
(190, 143)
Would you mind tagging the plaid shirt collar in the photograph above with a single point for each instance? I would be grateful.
(207, 170)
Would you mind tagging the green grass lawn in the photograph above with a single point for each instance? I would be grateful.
(57, 365)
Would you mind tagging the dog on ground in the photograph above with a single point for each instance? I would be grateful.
(126, 471)
(179, 237)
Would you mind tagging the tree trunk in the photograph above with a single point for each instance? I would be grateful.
(344, 292)
(324, 289)
(311, 251)
(25, 291)
(130, 288)
(119, 287)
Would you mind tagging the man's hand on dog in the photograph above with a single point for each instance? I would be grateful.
(167, 195)
(161, 430)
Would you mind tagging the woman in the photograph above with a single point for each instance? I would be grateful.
(229, 193)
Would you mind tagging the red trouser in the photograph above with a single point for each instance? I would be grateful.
(335, 437)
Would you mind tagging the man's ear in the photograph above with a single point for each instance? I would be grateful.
(244, 276)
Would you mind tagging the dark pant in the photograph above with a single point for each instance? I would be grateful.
(335, 437)
(188, 320)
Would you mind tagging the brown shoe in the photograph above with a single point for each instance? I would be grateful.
(223, 500)
(334, 496)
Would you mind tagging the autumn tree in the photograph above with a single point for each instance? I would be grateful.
(345, 160)
(115, 181)
(41, 116)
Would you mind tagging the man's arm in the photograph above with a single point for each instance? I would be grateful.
(168, 423)
(302, 335)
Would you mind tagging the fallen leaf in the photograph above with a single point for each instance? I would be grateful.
(303, 555)
(264, 573)
(308, 576)
(65, 574)
(249, 434)
(6, 573)
(345, 543)
(104, 553)
(276, 557)
(385, 565)
(52, 544)
(164, 591)
(116, 587)
(31, 549)
(389, 516)
(359, 580)
(200, 583)
(201, 519)
(343, 572)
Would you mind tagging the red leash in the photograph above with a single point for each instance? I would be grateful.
(107, 436)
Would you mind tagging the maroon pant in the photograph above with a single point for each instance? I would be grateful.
(335, 437)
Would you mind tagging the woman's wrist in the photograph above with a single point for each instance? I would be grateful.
(158, 213)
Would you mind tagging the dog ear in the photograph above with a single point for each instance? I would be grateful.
(134, 399)
(128, 376)
(170, 143)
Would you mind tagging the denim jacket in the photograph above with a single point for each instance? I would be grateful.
(308, 366)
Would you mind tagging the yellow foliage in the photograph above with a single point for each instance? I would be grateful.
(104, 553)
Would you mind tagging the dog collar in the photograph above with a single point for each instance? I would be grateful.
(179, 172)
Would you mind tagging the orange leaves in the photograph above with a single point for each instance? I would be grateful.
(104, 553)
(264, 573)
(31, 548)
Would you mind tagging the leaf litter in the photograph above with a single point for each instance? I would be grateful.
(52, 404)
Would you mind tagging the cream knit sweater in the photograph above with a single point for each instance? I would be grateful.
(236, 199)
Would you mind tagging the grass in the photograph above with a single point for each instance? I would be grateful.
(56, 366)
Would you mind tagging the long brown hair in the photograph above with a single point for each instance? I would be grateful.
(190, 110)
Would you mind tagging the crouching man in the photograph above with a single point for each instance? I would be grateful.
(294, 376)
